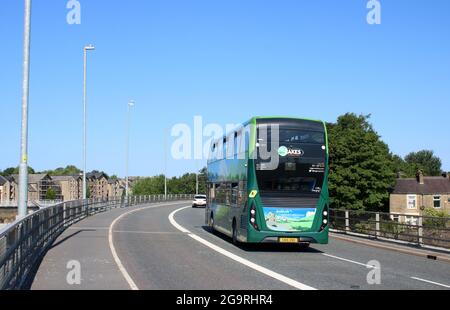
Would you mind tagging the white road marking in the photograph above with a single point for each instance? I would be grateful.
(237, 258)
(431, 282)
(119, 264)
(349, 261)
(147, 232)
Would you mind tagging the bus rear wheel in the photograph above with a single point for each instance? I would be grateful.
(211, 222)
(235, 238)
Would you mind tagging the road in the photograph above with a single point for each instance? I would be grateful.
(166, 246)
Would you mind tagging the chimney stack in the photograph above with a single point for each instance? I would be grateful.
(446, 175)
(420, 178)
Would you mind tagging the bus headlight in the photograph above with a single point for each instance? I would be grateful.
(253, 217)
(324, 218)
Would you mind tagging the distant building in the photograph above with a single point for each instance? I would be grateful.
(98, 185)
(66, 187)
(71, 186)
(4, 189)
(38, 187)
(412, 196)
(115, 188)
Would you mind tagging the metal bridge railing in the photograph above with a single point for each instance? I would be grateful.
(423, 231)
(24, 242)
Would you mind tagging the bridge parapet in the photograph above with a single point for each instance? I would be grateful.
(25, 241)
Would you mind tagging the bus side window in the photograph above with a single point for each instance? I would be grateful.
(217, 193)
(242, 196)
(237, 144)
(212, 192)
(234, 194)
(228, 195)
(213, 153)
(224, 149)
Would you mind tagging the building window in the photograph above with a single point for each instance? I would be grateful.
(437, 202)
(411, 202)
(395, 217)
(411, 220)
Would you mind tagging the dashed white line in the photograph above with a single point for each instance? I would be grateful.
(431, 282)
(349, 261)
(237, 258)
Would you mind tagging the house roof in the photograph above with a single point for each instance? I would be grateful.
(97, 175)
(3, 180)
(32, 178)
(10, 178)
(65, 177)
(431, 186)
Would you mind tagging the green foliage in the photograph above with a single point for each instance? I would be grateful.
(435, 218)
(12, 170)
(361, 166)
(69, 170)
(177, 185)
(149, 186)
(424, 160)
(51, 194)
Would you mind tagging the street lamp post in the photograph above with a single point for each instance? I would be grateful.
(23, 167)
(197, 182)
(166, 133)
(130, 105)
(85, 50)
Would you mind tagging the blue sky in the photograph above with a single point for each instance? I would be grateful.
(226, 60)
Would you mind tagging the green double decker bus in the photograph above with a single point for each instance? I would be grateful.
(267, 182)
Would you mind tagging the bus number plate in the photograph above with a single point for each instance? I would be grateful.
(288, 240)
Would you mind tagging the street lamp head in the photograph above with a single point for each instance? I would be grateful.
(131, 103)
(89, 47)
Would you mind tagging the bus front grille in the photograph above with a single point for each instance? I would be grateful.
(289, 202)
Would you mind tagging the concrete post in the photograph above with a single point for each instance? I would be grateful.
(347, 221)
(420, 231)
(377, 225)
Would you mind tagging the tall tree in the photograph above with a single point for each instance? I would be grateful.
(51, 194)
(149, 186)
(69, 170)
(424, 160)
(361, 167)
(12, 170)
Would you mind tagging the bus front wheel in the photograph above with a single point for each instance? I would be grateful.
(304, 246)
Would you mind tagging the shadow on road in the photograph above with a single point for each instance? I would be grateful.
(70, 236)
(264, 247)
(28, 283)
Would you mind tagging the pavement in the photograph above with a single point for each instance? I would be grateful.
(167, 246)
